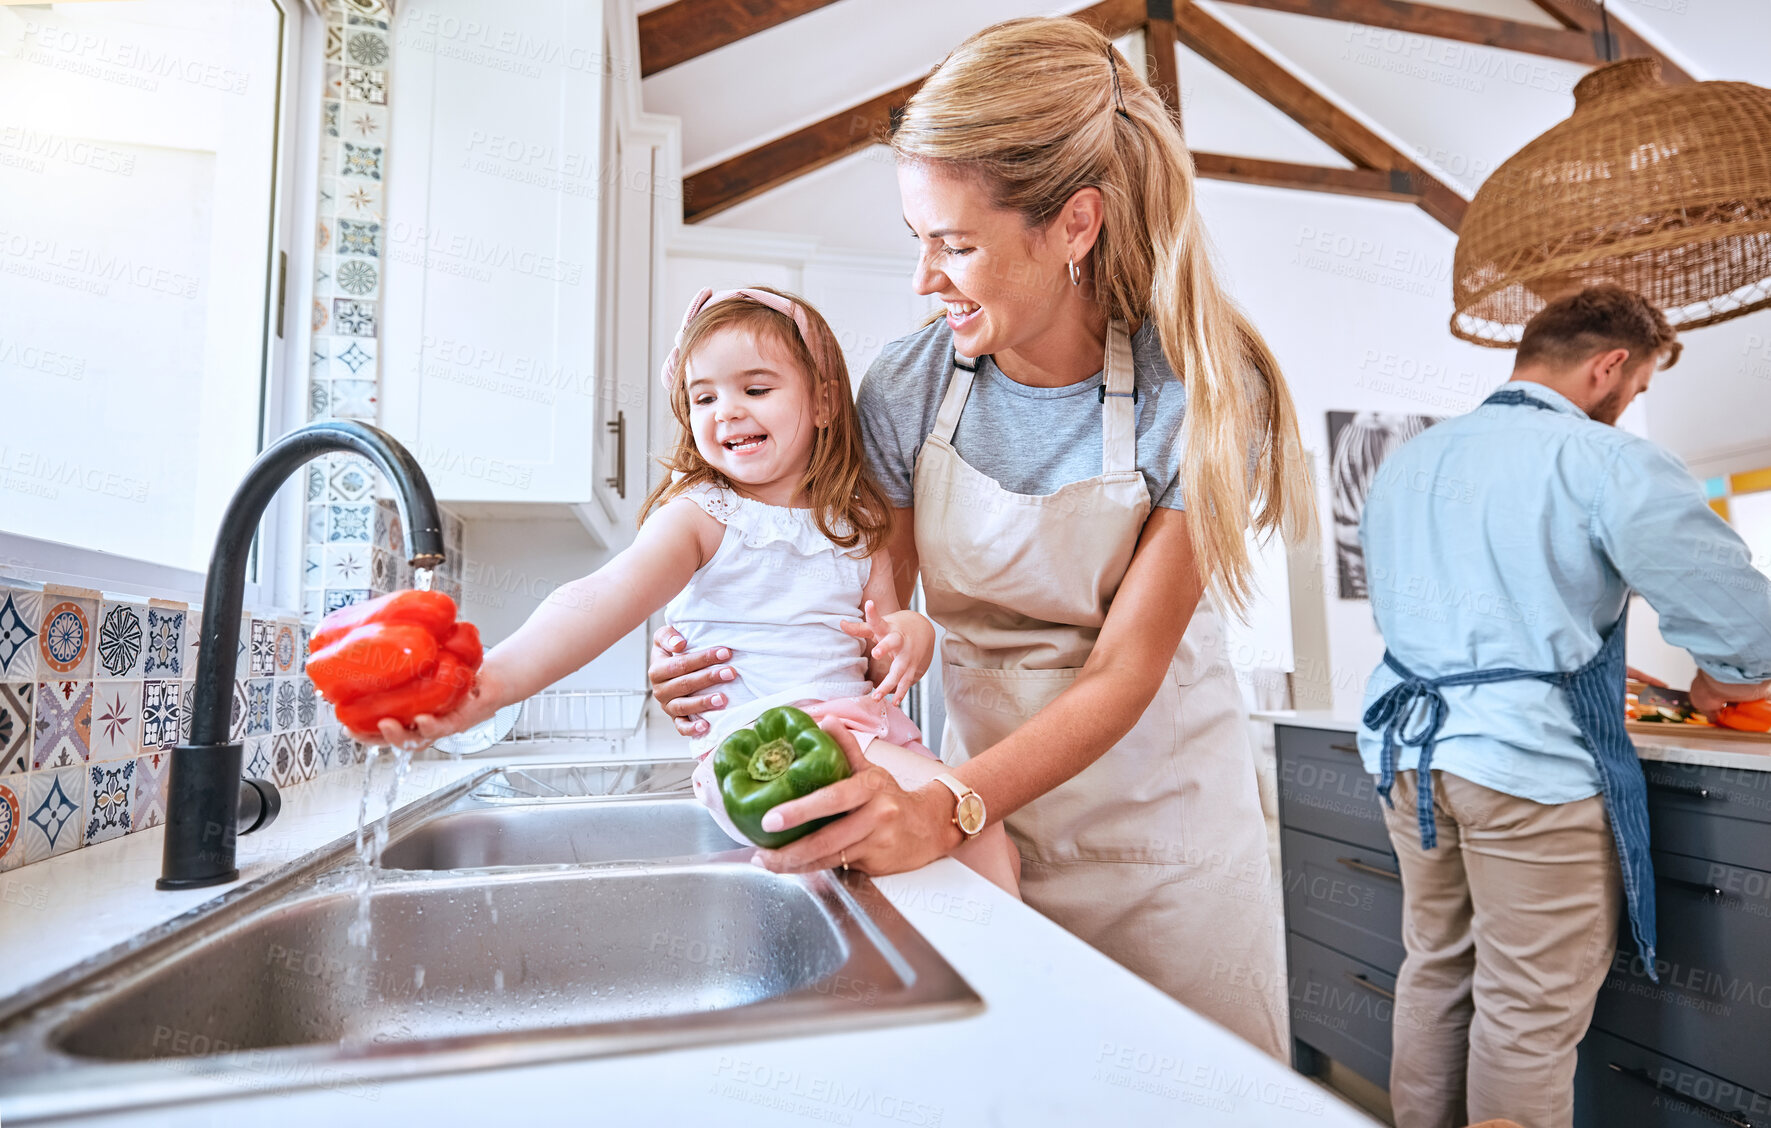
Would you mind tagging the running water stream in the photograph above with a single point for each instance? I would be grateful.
(372, 830)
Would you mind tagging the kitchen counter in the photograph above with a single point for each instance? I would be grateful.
(1066, 1037)
(1687, 745)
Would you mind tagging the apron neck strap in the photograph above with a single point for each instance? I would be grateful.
(959, 388)
(1119, 419)
(1119, 422)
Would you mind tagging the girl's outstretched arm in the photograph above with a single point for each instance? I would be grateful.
(579, 620)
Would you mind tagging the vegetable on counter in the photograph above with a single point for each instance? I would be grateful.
(399, 656)
(1747, 716)
(783, 756)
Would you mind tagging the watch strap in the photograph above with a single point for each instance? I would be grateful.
(961, 793)
(954, 784)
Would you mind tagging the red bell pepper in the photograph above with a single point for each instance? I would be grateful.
(436, 693)
(432, 610)
(464, 643)
(371, 658)
(396, 657)
(1747, 716)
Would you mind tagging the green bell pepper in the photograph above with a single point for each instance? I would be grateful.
(783, 756)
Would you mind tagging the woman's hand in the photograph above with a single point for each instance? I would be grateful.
(486, 696)
(885, 829)
(678, 680)
(903, 641)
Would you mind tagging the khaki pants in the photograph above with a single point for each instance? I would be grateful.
(1509, 925)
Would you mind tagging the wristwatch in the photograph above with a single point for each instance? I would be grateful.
(968, 816)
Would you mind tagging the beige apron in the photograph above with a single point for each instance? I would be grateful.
(1156, 853)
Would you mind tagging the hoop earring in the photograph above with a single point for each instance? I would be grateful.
(1075, 274)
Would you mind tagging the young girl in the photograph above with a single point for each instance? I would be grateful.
(769, 539)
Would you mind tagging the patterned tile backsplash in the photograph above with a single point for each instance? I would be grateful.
(94, 692)
(96, 688)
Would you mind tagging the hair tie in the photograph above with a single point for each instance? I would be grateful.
(707, 297)
(1118, 94)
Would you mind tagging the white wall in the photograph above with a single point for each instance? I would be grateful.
(1351, 295)
(513, 563)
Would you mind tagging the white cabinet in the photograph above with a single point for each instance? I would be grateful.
(641, 193)
(493, 357)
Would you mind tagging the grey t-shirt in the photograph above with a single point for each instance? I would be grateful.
(1031, 440)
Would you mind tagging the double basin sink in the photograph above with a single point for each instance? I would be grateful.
(524, 915)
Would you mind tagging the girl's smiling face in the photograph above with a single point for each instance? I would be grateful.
(752, 413)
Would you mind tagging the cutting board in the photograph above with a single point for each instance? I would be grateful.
(1674, 732)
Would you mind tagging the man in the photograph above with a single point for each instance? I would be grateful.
(1501, 548)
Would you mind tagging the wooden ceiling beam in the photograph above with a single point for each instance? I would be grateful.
(773, 163)
(1384, 172)
(1220, 45)
(1586, 16)
(1447, 23)
(1372, 183)
(1163, 64)
(688, 29)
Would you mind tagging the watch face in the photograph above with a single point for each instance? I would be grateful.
(971, 814)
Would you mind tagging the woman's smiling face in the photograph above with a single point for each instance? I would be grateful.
(1003, 282)
(751, 412)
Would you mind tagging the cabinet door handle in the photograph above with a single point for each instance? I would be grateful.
(1365, 867)
(1641, 1077)
(1697, 887)
(1349, 749)
(1681, 789)
(1380, 992)
(618, 427)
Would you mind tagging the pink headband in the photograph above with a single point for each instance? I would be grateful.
(707, 297)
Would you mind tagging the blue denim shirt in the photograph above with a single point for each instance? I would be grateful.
(1512, 536)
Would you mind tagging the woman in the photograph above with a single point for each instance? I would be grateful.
(1040, 490)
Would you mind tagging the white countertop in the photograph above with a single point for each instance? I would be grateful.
(1680, 745)
(1309, 718)
(1066, 1037)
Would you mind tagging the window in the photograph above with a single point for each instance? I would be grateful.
(140, 148)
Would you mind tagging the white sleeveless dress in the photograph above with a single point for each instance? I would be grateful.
(776, 593)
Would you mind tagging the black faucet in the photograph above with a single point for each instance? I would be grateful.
(207, 802)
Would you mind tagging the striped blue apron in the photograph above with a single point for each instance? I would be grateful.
(1413, 710)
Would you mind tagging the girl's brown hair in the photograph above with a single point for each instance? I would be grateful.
(1029, 107)
(846, 505)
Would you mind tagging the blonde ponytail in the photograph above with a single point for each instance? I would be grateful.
(1032, 107)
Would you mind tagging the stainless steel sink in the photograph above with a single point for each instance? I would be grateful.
(601, 779)
(590, 831)
(473, 968)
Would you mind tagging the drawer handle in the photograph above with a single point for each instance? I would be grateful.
(1697, 887)
(1349, 749)
(1362, 867)
(1681, 789)
(1641, 1077)
(1380, 992)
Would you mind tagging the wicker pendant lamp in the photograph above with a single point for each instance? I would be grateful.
(1663, 189)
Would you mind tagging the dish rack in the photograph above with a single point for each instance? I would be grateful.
(613, 715)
